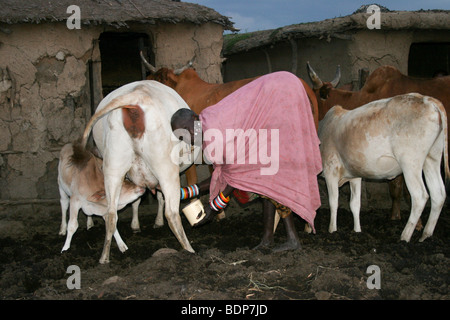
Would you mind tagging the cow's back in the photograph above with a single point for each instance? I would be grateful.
(149, 152)
(437, 88)
(372, 134)
(165, 102)
(387, 82)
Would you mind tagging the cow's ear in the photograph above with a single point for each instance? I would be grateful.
(97, 196)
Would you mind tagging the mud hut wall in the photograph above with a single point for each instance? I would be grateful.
(365, 49)
(257, 62)
(372, 49)
(176, 44)
(45, 92)
(280, 57)
(43, 102)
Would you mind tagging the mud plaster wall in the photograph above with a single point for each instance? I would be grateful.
(316, 51)
(364, 49)
(45, 95)
(44, 107)
(176, 44)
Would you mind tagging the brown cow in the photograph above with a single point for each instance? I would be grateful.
(199, 94)
(384, 82)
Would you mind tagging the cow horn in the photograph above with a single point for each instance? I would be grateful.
(337, 77)
(180, 70)
(317, 83)
(149, 67)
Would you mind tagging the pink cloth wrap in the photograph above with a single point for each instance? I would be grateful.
(274, 101)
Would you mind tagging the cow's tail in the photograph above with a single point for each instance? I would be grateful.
(440, 107)
(130, 100)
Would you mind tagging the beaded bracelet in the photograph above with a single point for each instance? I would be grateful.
(219, 202)
(189, 192)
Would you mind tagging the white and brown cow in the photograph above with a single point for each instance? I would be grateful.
(132, 131)
(81, 186)
(380, 140)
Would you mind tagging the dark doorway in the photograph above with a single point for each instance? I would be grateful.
(121, 63)
(426, 60)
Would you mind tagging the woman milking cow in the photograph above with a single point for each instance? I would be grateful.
(261, 139)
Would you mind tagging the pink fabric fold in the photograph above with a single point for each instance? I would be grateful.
(281, 159)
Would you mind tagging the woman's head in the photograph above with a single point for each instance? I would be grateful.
(183, 122)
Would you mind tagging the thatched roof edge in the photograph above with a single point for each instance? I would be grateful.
(110, 12)
(341, 27)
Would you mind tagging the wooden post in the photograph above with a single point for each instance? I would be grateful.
(269, 64)
(294, 55)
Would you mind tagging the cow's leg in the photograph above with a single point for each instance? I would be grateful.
(268, 222)
(135, 219)
(407, 198)
(333, 198)
(116, 163)
(431, 170)
(355, 202)
(397, 189)
(120, 243)
(170, 186)
(64, 200)
(159, 221)
(396, 192)
(113, 185)
(419, 197)
(73, 223)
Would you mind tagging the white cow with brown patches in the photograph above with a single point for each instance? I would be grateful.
(132, 131)
(81, 186)
(380, 140)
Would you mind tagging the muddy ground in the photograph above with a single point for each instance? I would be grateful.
(329, 266)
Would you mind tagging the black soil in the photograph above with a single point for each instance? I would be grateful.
(329, 266)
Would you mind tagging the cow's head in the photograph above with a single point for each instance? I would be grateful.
(166, 76)
(323, 89)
